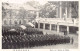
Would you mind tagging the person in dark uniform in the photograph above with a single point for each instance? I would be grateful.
(72, 40)
(65, 32)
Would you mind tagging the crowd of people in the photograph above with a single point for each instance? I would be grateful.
(27, 41)
(19, 31)
(30, 38)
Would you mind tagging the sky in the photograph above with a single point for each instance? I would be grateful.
(42, 2)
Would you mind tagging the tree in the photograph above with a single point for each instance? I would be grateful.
(48, 10)
(22, 13)
(75, 7)
(4, 10)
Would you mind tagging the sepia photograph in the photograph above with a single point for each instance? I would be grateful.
(40, 24)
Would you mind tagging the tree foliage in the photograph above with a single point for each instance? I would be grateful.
(48, 10)
(75, 7)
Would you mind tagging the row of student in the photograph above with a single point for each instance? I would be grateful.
(21, 41)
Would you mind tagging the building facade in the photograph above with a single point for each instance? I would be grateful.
(17, 14)
(64, 22)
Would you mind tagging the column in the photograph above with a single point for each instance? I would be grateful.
(57, 28)
(66, 10)
(44, 26)
(57, 12)
(50, 27)
(67, 29)
(60, 9)
(70, 11)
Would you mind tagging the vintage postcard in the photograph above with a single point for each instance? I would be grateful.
(39, 24)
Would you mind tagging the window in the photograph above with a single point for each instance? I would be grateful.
(62, 28)
(47, 26)
(36, 25)
(53, 27)
(41, 25)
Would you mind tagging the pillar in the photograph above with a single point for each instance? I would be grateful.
(50, 27)
(70, 11)
(66, 10)
(44, 26)
(57, 28)
(57, 12)
(67, 29)
(60, 9)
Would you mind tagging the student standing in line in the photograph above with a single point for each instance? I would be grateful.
(72, 40)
